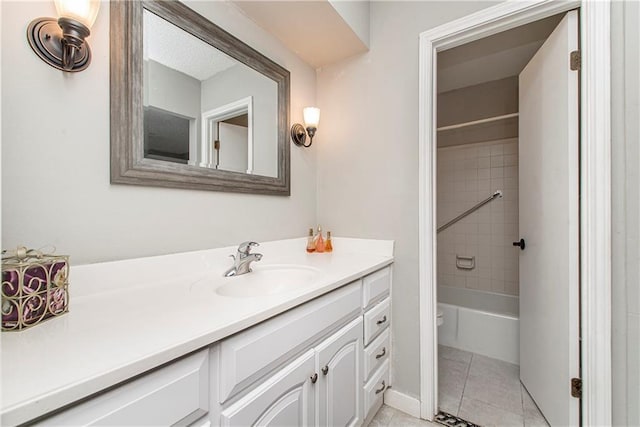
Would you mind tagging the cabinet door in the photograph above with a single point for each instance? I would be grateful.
(339, 364)
(285, 399)
(177, 393)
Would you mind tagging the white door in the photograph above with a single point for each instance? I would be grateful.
(284, 400)
(339, 365)
(548, 204)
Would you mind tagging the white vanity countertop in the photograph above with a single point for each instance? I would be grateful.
(127, 317)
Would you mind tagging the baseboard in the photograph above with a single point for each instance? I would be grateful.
(402, 402)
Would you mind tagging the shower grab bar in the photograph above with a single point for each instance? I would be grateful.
(495, 195)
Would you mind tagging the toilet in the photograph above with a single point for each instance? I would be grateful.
(440, 317)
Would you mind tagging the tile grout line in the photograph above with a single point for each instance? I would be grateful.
(393, 414)
(521, 400)
(466, 379)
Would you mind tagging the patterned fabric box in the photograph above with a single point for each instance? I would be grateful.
(35, 287)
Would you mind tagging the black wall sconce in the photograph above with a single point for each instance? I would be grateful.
(311, 120)
(60, 42)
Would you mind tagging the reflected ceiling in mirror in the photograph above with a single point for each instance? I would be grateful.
(209, 108)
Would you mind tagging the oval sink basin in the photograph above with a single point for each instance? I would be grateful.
(268, 280)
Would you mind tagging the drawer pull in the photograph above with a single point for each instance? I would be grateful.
(384, 351)
(325, 370)
(314, 378)
(381, 321)
(381, 389)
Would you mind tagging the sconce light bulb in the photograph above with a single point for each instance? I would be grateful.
(83, 11)
(311, 117)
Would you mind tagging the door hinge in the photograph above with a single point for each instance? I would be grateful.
(576, 387)
(575, 59)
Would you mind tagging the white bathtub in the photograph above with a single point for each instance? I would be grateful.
(480, 322)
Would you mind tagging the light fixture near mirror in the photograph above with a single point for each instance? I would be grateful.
(61, 42)
(229, 103)
(299, 133)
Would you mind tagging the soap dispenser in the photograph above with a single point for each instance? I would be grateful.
(319, 241)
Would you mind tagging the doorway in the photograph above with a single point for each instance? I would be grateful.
(594, 140)
(507, 194)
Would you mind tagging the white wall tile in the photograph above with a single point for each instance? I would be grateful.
(510, 159)
(496, 172)
(496, 150)
(497, 161)
(466, 175)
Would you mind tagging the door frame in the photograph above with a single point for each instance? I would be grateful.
(595, 189)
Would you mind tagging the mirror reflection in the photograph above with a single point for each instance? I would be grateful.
(204, 108)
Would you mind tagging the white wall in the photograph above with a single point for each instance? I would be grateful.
(371, 103)
(368, 155)
(356, 14)
(170, 90)
(55, 158)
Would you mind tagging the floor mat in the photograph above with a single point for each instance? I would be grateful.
(451, 420)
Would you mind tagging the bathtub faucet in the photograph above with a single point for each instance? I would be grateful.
(243, 259)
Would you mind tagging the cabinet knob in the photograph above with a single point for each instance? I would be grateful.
(314, 378)
(384, 351)
(381, 321)
(381, 389)
(325, 370)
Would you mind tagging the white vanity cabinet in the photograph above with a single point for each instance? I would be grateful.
(174, 394)
(376, 303)
(321, 387)
(285, 399)
(339, 364)
(322, 363)
(338, 380)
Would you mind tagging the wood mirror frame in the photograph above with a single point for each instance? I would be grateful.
(128, 165)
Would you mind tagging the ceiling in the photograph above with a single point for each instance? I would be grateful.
(313, 30)
(165, 43)
(492, 58)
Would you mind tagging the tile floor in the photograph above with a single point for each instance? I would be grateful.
(476, 388)
(389, 417)
(484, 391)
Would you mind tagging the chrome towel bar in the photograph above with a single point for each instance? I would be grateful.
(497, 194)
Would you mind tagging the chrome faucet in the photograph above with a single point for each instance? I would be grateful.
(243, 259)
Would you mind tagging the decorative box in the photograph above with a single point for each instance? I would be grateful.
(35, 287)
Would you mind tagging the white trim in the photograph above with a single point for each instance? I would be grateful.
(596, 213)
(211, 117)
(595, 203)
(402, 402)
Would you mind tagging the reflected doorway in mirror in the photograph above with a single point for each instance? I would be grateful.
(227, 141)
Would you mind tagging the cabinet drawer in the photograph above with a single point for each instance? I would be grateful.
(376, 320)
(376, 286)
(176, 393)
(374, 389)
(250, 355)
(376, 353)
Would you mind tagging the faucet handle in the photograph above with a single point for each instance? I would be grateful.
(245, 247)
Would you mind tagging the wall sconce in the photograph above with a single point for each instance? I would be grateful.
(60, 43)
(311, 120)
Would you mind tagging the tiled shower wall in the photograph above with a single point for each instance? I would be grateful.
(468, 174)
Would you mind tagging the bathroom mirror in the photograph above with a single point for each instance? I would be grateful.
(192, 106)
